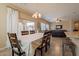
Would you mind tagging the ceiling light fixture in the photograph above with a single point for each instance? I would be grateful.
(58, 20)
(36, 15)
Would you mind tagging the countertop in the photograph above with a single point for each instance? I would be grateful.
(74, 34)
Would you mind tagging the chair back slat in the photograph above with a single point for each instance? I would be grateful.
(24, 32)
(44, 40)
(32, 32)
(14, 41)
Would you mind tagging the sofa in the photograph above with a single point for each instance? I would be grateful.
(58, 33)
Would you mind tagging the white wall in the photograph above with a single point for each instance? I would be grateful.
(2, 25)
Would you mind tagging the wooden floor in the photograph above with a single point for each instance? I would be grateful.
(54, 50)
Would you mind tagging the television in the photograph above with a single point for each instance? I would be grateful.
(58, 26)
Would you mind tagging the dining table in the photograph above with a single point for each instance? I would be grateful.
(30, 42)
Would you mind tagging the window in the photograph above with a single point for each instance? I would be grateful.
(47, 26)
(26, 25)
(44, 26)
(30, 26)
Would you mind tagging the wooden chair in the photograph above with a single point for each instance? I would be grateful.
(42, 46)
(48, 33)
(15, 45)
(32, 32)
(68, 43)
(24, 32)
(48, 41)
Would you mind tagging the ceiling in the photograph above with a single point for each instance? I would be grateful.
(52, 11)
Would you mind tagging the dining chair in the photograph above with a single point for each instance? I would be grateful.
(15, 45)
(24, 32)
(46, 32)
(70, 45)
(42, 46)
(48, 41)
(32, 32)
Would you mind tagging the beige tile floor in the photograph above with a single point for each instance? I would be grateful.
(54, 50)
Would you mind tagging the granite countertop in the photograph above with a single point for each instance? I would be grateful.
(74, 34)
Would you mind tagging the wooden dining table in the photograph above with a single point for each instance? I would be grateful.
(31, 42)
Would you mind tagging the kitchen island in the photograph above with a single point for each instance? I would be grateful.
(74, 36)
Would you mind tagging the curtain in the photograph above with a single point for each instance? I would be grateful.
(20, 28)
(12, 23)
